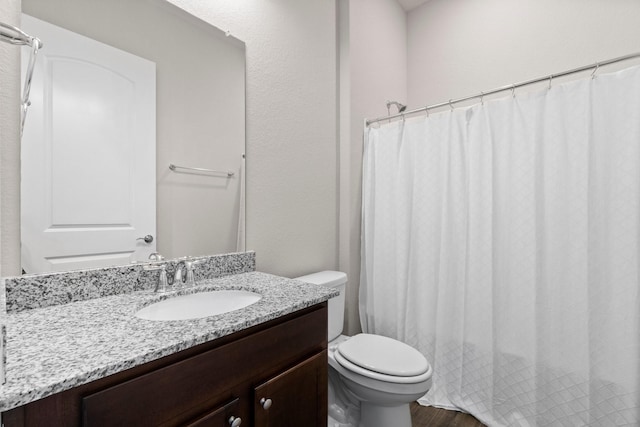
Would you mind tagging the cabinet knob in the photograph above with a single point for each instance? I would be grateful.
(266, 403)
(235, 422)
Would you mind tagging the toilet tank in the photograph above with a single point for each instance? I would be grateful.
(336, 280)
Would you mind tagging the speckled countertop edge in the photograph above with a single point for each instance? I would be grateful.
(56, 348)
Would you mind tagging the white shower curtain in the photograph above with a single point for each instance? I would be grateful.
(502, 241)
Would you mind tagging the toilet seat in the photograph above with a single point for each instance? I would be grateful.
(383, 359)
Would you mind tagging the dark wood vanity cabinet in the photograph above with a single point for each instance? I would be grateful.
(282, 401)
(274, 374)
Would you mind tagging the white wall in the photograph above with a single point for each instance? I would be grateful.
(373, 52)
(9, 147)
(291, 127)
(458, 48)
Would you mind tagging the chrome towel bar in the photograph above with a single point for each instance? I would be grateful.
(177, 168)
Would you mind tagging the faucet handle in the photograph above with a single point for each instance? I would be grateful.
(162, 284)
(188, 264)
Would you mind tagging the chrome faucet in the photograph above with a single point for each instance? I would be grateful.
(183, 274)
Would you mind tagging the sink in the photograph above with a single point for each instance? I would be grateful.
(195, 306)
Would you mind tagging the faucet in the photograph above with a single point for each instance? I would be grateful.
(184, 272)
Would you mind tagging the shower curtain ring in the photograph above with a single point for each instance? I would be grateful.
(450, 105)
(550, 78)
(595, 70)
(426, 109)
(481, 98)
(513, 90)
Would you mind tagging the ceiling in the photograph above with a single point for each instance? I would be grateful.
(411, 4)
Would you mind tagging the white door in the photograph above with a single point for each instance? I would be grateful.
(88, 155)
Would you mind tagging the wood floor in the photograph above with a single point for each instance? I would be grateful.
(426, 416)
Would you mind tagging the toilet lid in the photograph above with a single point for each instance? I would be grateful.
(384, 355)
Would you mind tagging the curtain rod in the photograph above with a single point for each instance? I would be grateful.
(511, 87)
(15, 36)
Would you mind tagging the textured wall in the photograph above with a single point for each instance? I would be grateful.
(9, 146)
(373, 70)
(461, 47)
(291, 127)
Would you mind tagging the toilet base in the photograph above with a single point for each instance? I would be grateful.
(384, 416)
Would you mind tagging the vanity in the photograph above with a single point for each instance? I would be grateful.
(92, 362)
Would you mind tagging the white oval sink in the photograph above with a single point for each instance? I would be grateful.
(195, 306)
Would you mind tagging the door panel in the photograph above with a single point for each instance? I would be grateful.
(98, 147)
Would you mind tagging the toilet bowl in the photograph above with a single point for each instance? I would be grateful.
(372, 378)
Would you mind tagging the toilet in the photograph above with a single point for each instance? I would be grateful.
(372, 378)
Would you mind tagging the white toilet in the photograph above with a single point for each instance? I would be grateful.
(372, 379)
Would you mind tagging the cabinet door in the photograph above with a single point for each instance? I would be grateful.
(220, 417)
(296, 397)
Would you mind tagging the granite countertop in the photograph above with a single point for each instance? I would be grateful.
(56, 348)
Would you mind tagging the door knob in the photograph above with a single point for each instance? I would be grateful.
(235, 422)
(147, 239)
(266, 403)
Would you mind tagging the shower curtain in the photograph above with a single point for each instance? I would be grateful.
(502, 241)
